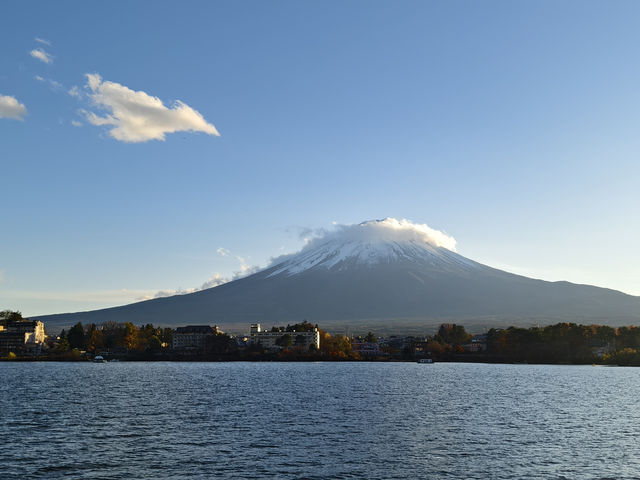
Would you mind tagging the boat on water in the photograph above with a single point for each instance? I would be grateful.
(99, 359)
(425, 360)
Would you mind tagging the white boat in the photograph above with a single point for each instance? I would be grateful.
(99, 359)
(425, 360)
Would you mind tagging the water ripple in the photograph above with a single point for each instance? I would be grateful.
(178, 421)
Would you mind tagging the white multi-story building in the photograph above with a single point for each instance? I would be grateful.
(193, 336)
(22, 335)
(273, 340)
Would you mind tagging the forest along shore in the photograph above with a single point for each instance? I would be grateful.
(561, 343)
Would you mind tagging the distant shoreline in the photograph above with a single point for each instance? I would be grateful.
(461, 359)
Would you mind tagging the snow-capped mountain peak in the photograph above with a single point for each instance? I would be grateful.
(375, 242)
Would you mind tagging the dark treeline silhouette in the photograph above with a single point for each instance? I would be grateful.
(113, 336)
(147, 342)
(560, 343)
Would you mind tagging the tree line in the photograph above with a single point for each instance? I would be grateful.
(148, 341)
(559, 343)
(113, 336)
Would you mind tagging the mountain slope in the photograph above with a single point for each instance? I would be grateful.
(381, 275)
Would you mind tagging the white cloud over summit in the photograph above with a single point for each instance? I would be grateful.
(138, 117)
(364, 240)
(10, 107)
(372, 231)
(385, 230)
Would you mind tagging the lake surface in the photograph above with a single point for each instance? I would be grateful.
(318, 420)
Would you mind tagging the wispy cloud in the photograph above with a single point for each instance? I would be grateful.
(11, 108)
(243, 264)
(42, 41)
(213, 281)
(76, 123)
(223, 252)
(137, 116)
(55, 86)
(42, 55)
(75, 92)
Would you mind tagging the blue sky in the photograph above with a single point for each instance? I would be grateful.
(512, 126)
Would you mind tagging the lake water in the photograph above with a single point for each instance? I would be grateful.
(318, 421)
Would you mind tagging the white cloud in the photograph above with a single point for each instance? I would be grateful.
(11, 108)
(76, 123)
(223, 252)
(392, 229)
(245, 269)
(165, 293)
(75, 92)
(138, 117)
(40, 54)
(213, 281)
(42, 41)
(388, 230)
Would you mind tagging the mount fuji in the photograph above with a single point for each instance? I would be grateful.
(382, 275)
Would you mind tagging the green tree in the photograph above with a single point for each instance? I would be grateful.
(76, 337)
(303, 326)
(220, 344)
(335, 346)
(94, 338)
(63, 344)
(453, 334)
(113, 335)
(166, 335)
(285, 340)
(154, 344)
(131, 336)
(371, 338)
(10, 316)
(625, 356)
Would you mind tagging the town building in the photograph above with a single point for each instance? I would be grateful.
(273, 339)
(420, 348)
(478, 344)
(395, 343)
(193, 337)
(22, 336)
(365, 348)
